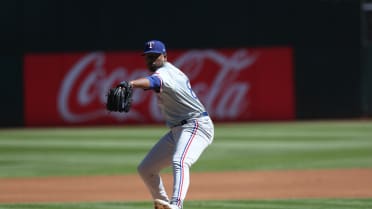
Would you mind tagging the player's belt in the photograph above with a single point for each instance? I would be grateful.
(183, 122)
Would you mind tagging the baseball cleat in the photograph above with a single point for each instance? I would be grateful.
(161, 204)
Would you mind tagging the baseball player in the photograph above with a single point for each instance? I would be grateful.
(191, 128)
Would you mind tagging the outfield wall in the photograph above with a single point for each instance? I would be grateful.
(323, 35)
(234, 85)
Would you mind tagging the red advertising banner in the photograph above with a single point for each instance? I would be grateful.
(234, 85)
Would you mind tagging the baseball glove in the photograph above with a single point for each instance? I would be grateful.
(119, 99)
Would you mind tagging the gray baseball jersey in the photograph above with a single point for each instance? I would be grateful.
(176, 99)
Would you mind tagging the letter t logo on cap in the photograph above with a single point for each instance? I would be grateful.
(151, 44)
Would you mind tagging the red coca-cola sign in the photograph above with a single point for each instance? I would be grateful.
(233, 84)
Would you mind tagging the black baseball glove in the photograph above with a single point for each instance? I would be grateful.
(119, 99)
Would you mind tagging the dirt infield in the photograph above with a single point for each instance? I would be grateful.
(350, 183)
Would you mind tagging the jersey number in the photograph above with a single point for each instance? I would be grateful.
(191, 91)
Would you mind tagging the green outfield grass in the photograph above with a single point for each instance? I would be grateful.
(243, 204)
(251, 146)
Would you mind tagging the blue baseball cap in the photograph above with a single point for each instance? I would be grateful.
(154, 46)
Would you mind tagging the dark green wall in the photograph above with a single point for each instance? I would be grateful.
(367, 81)
(325, 35)
(11, 80)
(327, 44)
(11, 107)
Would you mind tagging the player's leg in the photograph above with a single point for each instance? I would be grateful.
(191, 140)
(159, 157)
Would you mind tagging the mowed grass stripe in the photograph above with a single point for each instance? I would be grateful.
(212, 204)
(238, 143)
(76, 144)
(286, 204)
(83, 132)
(251, 146)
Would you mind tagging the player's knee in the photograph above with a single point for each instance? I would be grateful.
(146, 170)
(178, 164)
(141, 169)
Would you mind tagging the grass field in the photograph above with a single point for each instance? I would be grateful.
(251, 146)
(243, 204)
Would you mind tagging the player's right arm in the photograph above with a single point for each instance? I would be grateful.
(142, 83)
(150, 82)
